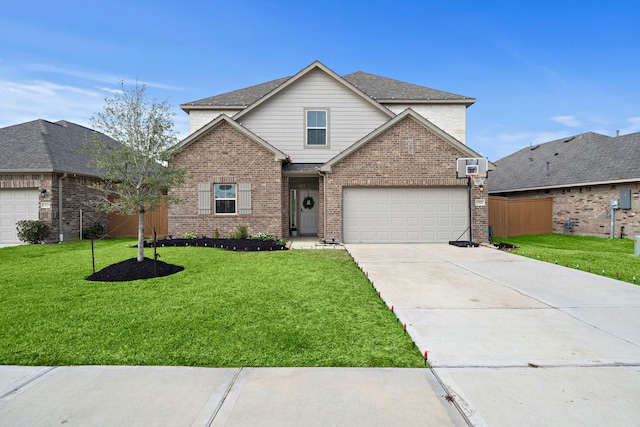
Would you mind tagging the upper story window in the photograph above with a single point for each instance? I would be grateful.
(316, 128)
(225, 198)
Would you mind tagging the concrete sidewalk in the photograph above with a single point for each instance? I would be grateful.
(514, 340)
(182, 396)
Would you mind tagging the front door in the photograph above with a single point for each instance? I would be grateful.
(309, 212)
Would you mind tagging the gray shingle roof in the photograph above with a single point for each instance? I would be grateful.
(237, 98)
(588, 158)
(382, 89)
(44, 146)
(386, 89)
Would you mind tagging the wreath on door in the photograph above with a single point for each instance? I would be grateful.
(308, 203)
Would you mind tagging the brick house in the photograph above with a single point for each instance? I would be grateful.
(355, 158)
(45, 176)
(582, 174)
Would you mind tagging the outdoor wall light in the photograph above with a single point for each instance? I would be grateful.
(43, 191)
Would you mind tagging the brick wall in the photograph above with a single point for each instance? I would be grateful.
(586, 208)
(224, 155)
(406, 155)
(76, 195)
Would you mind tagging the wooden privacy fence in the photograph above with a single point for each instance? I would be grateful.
(127, 226)
(515, 217)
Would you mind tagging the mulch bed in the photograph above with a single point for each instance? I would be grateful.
(131, 269)
(505, 246)
(241, 245)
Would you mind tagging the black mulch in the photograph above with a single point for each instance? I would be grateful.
(505, 246)
(131, 269)
(241, 245)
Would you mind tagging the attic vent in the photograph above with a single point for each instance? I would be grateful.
(535, 147)
(570, 139)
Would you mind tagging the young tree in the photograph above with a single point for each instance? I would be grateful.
(137, 164)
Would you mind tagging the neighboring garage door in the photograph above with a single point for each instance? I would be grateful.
(405, 215)
(16, 205)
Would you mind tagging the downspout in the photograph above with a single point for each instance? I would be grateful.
(60, 233)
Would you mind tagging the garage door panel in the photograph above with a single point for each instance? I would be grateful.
(460, 222)
(383, 221)
(16, 205)
(398, 222)
(404, 214)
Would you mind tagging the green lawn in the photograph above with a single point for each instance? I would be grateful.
(594, 254)
(226, 309)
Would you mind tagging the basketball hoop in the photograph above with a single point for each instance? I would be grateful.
(478, 178)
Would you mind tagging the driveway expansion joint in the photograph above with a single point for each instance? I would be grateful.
(28, 381)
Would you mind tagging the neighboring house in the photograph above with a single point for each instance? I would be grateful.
(44, 175)
(583, 174)
(355, 158)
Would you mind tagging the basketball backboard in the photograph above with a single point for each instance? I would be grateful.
(471, 165)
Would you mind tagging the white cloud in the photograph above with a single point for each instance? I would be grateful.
(633, 127)
(634, 121)
(97, 76)
(21, 102)
(570, 121)
(110, 90)
(26, 101)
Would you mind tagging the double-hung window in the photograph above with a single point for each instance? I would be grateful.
(225, 198)
(316, 128)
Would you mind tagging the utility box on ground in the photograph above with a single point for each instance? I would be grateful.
(636, 245)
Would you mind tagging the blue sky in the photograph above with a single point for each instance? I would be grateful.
(540, 70)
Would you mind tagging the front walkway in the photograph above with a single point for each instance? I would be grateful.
(516, 341)
(311, 243)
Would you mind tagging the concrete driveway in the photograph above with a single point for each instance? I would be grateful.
(516, 341)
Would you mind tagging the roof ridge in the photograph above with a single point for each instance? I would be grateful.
(45, 139)
(378, 88)
(580, 159)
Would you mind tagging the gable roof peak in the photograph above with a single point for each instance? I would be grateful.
(223, 118)
(377, 88)
(406, 114)
(316, 65)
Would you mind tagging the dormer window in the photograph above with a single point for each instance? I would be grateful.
(316, 124)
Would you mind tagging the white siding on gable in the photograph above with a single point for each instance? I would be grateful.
(451, 118)
(281, 119)
(199, 118)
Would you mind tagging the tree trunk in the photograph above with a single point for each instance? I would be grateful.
(141, 235)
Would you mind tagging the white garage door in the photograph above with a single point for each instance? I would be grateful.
(15, 205)
(405, 215)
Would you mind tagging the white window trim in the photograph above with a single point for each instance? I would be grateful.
(215, 199)
(326, 128)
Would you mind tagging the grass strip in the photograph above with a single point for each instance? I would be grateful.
(613, 258)
(226, 309)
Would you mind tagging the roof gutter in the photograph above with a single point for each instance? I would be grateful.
(187, 107)
(466, 101)
(578, 184)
